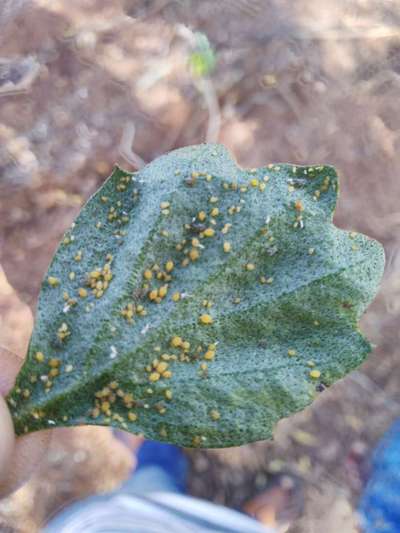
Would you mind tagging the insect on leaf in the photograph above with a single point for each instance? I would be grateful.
(198, 303)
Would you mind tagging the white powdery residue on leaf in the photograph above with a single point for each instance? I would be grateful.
(145, 329)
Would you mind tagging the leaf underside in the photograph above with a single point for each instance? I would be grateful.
(198, 303)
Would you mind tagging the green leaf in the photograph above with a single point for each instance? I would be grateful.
(202, 60)
(198, 303)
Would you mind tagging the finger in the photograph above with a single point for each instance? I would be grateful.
(10, 365)
(28, 449)
(28, 453)
(7, 440)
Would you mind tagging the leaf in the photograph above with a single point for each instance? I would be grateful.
(202, 60)
(198, 303)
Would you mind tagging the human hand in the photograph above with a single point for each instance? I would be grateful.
(18, 456)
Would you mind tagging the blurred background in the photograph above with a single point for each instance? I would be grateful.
(88, 83)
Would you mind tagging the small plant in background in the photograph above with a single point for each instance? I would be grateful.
(202, 60)
(198, 303)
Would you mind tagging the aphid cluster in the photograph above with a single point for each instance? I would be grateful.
(211, 223)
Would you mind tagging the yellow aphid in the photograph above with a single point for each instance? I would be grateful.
(54, 372)
(78, 256)
(132, 417)
(176, 296)
(250, 266)
(164, 205)
(39, 356)
(162, 291)
(167, 374)
(214, 414)
(176, 342)
(195, 242)
(262, 187)
(202, 216)
(206, 319)
(298, 205)
(254, 182)
(214, 212)
(162, 367)
(147, 274)
(209, 355)
(82, 292)
(186, 346)
(209, 232)
(194, 254)
(154, 376)
(153, 294)
(226, 228)
(291, 352)
(54, 363)
(203, 366)
(105, 406)
(213, 199)
(227, 247)
(63, 331)
(52, 281)
(127, 397)
(168, 394)
(71, 276)
(169, 266)
(315, 374)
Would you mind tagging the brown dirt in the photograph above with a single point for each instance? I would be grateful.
(305, 82)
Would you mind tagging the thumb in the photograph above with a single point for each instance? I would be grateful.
(17, 460)
(7, 438)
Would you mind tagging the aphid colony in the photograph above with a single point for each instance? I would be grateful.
(112, 402)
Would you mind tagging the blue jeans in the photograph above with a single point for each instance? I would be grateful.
(151, 500)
